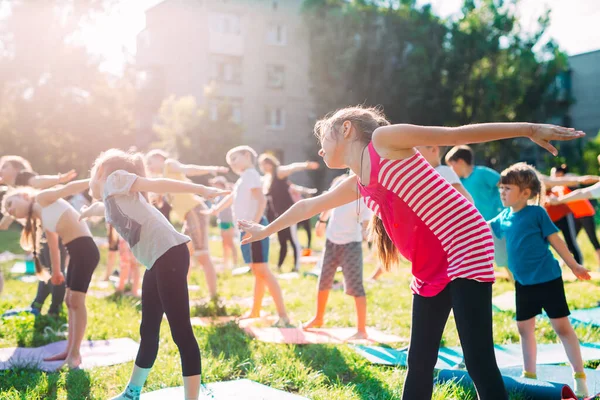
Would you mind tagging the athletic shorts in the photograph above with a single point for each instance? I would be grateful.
(256, 252)
(549, 296)
(83, 260)
(348, 256)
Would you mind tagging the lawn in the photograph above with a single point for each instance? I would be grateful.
(314, 371)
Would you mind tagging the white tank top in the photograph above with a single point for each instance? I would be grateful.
(52, 213)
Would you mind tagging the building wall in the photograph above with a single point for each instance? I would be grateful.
(585, 89)
(190, 44)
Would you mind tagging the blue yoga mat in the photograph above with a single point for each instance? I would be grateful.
(558, 374)
(16, 311)
(587, 316)
(509, 355)
(229, 390)
(532, 389)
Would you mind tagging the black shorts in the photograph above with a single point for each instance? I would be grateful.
(550, 296)
(83, 260)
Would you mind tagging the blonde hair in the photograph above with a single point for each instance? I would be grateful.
(18, 162)
(241, 149)
(524, 176)
(115, 159)
(30, 235)
(365, 121)
(269, 159)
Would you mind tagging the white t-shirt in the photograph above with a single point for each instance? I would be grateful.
(245, 205)
(448, 174)
(148, 233)
(344, 225)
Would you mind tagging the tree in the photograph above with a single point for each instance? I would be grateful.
(190, 133)
(56, 107)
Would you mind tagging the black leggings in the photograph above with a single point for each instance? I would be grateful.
(165, 290)
(288, 235)
(589, 225)
(44, 289)
(472, 305)
(306, 225)
(569, 230)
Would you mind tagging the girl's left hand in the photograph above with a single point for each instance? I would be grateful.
(57, 278)
(253, 232)
(209, 192)
(542, 134)
(67, 177)
(582, 273)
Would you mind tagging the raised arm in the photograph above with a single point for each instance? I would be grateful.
(404, 136)
(163, 185)
(303, 190)
(96, 209)
(47, 181)
(49, 196)
(343, 193)
(461, 189)
(194, 170)
(286, 170)
(569, 180)
(5, 222)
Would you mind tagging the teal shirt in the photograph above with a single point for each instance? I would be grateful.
(526, 233)
(482, 185)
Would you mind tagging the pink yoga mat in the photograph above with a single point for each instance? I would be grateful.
(210, 321)
(318, 336)
(96, 353)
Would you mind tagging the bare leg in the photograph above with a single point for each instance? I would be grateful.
(63, 355)
(361, 319)
(111, 258)
(80, 322)
(528, 344)
(209, 273)
(317, 321)
(262, 272)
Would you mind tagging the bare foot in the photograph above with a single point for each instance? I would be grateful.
(73, 362)
(282, 323)
(250, 315)
(57, 357)
(314, 323)
(358, 336)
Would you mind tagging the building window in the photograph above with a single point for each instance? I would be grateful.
(275, 118)
(275, 76)
(277, 35)
(226, 69)
(225, 24)
(222, 109)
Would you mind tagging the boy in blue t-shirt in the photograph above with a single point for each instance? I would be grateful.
(528, 231)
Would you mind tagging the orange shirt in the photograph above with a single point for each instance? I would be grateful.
(559, 211)
(580, 208)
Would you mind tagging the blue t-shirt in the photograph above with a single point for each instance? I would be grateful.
(482, 185)
(526, 232)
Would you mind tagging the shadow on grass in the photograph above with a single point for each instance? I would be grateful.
(46, 385)
(331, 363)
(230, 342)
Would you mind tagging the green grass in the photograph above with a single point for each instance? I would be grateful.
(314, 371)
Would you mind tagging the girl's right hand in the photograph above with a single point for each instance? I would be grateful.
(542, 134)
(85, 212)
(253, 232)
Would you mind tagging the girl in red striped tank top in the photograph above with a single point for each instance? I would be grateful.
(421, 216)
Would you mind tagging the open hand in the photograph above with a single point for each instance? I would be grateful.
(581, 273)
(209, 192)
(253, 232)
(588, 179)
(67, 177)
(542, 134)
(312, 165)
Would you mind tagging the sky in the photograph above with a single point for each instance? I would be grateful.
(573, 25)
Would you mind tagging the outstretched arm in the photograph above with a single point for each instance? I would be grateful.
(303, 190)
(47, 181)
(569, 180)
(286, 170)
(302, 210)
(193, 169)
(404, 136)
(49, 196)
(163, 185)
(5, 222)
(96, 209)
(579, 194)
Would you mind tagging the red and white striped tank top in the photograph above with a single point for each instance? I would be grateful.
(433, 226)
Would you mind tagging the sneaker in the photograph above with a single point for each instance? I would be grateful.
(130, 393)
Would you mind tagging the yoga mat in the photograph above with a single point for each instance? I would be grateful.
(506, 355)
(240, 271)
(318, 336)
(532, 389)
(22, 267)
(211, 321)
(447, 358)
(310, 259)
(228, 390)
(587, 316)
(6, 256)
(505, 302)
(29, 279)
(558, 374)
(97, 353)
(288, 276)
(16, 311)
